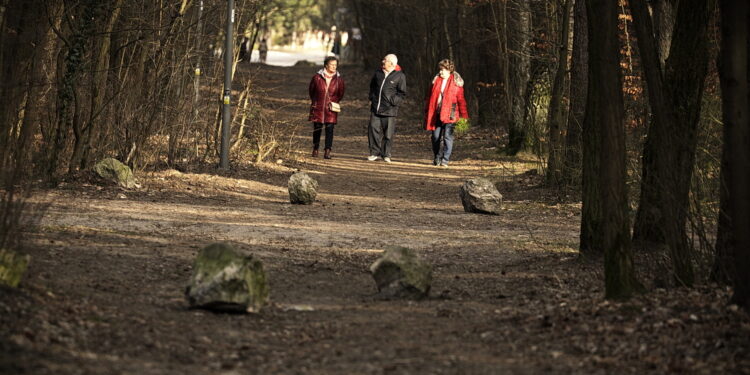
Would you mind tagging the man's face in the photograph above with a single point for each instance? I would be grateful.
(331, 66)
(387, 64)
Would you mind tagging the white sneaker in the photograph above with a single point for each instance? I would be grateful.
(387, 159)
(372, 158)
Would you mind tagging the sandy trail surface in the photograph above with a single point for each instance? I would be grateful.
(104, 292)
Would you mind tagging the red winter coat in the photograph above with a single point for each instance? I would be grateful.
(320, 109)
(453, 106)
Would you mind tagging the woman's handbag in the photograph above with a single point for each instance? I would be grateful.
(335, 107)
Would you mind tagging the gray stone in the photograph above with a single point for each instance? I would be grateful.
(302, 188)
(224, 280)
(12, 267)
(112, 170)
(400, 273)
(480, 195)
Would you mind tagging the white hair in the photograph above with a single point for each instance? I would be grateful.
(392, 58)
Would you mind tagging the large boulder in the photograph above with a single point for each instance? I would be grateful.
(12, 267)
(224, 280)
(302, 188)
(112, 170)
(400, 273)
(480, 195)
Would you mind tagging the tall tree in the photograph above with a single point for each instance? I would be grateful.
(579, 77)
(734, 73)
(21, 45)
(675, 94)
(518, 64)
(556, 113)
(607, 225)
(98, 91)
(68, 100)
(663, 14)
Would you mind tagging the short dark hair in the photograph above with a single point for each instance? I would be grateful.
(329, 59)
(447, 64)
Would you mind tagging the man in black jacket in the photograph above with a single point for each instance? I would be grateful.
(387, 91)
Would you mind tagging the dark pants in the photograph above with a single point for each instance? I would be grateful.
(442, 136)
(317, 129)
(380, 135)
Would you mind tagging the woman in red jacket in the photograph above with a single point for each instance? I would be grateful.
(326, 91)
(444, 106)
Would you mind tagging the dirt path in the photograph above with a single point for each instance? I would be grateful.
(104, 294)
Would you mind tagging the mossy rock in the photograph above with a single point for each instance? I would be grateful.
(302, 188)
(479, 195)
(12, 267)
(112, 170)
(224, 280)
(400, 273)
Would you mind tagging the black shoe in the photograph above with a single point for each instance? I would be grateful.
(327, 154)
(315, 153)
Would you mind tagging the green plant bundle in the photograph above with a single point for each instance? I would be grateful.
(12, 267)
(462, 126)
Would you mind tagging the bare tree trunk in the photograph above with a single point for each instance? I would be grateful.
(447, 32)
(663, 13)
(734, 72)
(243, 113)
(519, 51)
(20, 74)
(578, 87)
(18, 42)
(98, 92)
(197, 72)
(67, 105)
(603, 124)
(493, 101)
(675, 94)
(556, 113)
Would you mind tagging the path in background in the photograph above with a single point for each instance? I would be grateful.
(289, 58)
(104, 293)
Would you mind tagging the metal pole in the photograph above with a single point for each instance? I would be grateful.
(227, 108)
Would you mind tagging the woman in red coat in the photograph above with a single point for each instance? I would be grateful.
(444, 106)
(326, 87)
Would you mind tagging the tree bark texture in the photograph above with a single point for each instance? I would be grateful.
(68, 106)
(20, 48)
(82, 146)
(734, 74)
(675, 94)
(519, 65)
(556, 112)
(663, 14)
(603, 124)
(578, 87)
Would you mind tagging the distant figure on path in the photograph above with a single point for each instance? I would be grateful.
(387, 92)
(326, 91)
(336, 42)
(444, 105)
(262, 50)
(244, 48)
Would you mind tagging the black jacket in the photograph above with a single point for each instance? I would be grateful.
(386, 93)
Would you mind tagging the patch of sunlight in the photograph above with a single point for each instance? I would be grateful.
(74, 228)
